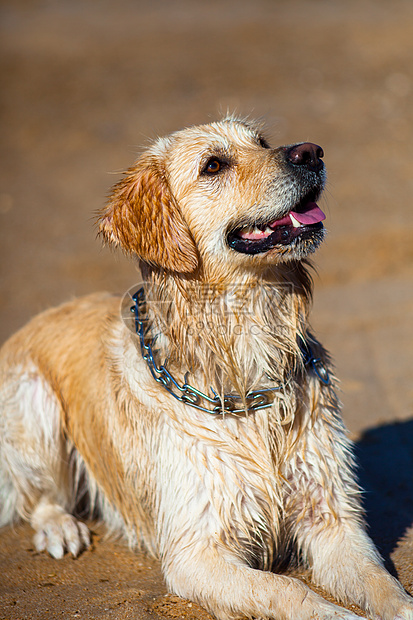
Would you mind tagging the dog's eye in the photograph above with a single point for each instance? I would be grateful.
(263, 142)
(213, 166)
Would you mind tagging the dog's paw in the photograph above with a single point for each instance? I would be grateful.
(58, 532)
(399, 610)
(315, 607)
(405, 612)
(329, 611)
(337, 613)
(66, 534)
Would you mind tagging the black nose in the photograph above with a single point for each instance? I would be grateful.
(306, 154)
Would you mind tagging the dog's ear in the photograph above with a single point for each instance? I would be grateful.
(143, 218)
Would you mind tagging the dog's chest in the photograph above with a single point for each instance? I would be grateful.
(218, 478)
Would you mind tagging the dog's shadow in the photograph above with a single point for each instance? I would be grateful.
(385, 459)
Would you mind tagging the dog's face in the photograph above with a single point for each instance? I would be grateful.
(218, 193)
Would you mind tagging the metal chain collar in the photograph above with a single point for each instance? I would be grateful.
(229, 403)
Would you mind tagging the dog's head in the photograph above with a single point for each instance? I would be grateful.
(218, 193)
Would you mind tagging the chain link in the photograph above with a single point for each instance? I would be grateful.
(215, 404)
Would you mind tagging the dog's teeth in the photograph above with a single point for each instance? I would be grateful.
(294, 222)
(255, 234)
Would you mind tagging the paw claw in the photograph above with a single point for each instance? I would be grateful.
(84, 534)
(40, 541)
(56, 551)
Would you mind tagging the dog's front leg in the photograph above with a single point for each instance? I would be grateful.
(230, 589)
(202, 539)
(346, 563)
(326, 519)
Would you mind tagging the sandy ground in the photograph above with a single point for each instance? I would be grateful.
(84, 84)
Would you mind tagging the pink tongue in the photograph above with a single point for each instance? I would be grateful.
(313, 215)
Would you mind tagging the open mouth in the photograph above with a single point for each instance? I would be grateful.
(303, 221)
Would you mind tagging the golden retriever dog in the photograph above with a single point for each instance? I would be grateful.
(199, 418)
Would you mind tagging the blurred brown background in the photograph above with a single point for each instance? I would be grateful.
(86, 83)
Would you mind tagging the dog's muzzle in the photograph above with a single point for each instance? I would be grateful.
(303, 221)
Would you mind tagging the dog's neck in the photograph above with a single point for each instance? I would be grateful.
(234, 336)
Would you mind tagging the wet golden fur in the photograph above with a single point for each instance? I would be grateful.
(217, 498)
